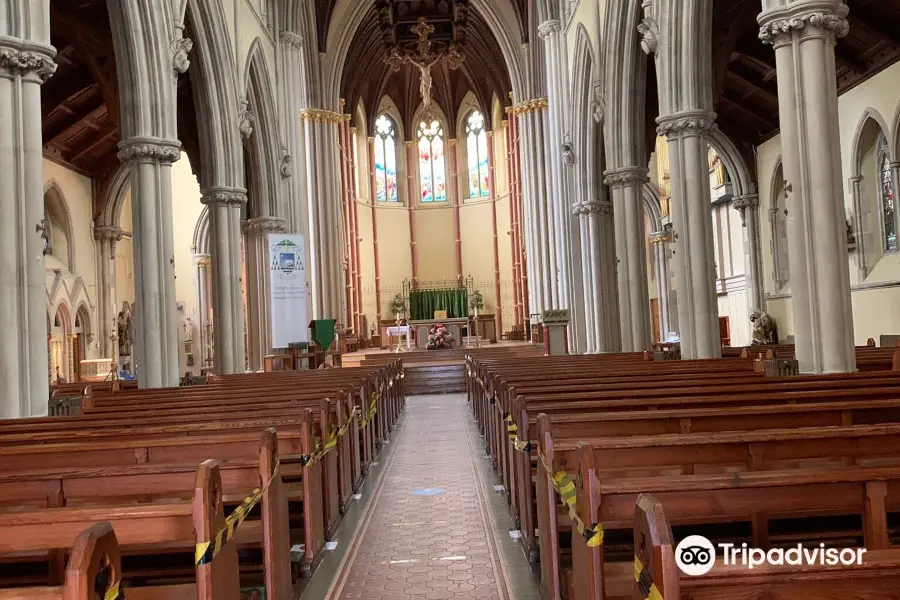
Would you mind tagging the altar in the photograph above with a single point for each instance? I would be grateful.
(422, 327)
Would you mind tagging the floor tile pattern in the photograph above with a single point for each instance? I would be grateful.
(427, 537)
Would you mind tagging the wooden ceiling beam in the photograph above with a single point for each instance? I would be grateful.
(755, 88)
(885, 31)
(737, 107)
(52, 136)
(844, 57)
(57, 91)
(104, 139)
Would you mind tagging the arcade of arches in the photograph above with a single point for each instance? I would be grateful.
(556, 154)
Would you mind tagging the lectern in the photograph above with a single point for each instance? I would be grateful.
(556, 339)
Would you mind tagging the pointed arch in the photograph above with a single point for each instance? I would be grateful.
(741, 176)
(56, 208)
(868, 114)
(215, 95)
(113, 196)
(263, 144)
(652, 206)
(200, 244)
(585, 128)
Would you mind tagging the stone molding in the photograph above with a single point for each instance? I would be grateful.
(548, 28)
(292, 39)
(203, 260)
(318, 115)
(593, 207)
(660, 237)
(744, 202)
(822, 17)
(149, 149)
(528, 106)
(107, 233)
(180, 49)
(221, 196)
(263, 225)
(38, 62)
(287, 167)
(247, 118)
(689, 123)
(627, 176)
(649, 31)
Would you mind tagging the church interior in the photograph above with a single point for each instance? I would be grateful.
(449, 299)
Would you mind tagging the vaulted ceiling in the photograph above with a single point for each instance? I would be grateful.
(746, 89)
(389, 24)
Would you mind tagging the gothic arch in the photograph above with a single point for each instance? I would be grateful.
(215, 94)
(200, 244)
(652, 207)
(468, 104)
(586, 138)
(55, 205)
(114, 194)
(741, 177)
(388, 107)
(347, 16)
(263, 144)
(874, 115)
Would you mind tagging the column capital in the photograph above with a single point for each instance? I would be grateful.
(147, 149)
(294, 40)
(746, 201)
(203, 260)
(528, 106)
(107, 233)
(26, 59)
(691, 122)
(263, 225)
(223, 196)
(819, 18)
(856, 178)
(592, 207)
(548, 28)
(319, 115)
(626, 176)
(658, 238)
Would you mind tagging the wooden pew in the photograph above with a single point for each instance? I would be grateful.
(655, 559)
(186, 523)
(614, 459)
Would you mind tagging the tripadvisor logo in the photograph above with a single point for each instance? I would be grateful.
(696, 555)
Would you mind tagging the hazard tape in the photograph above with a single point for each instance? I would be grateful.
(373, 408)
(512, 430)
(645, 584)
(114, 592)
(565, 487)
(205, 552)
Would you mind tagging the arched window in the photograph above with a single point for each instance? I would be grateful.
(431, 162)
(385, 161)
(477, 149)
(887, 197)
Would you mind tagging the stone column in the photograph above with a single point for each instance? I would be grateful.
(293, 77)
(695, 277)
(626, 187)
(225, 241)
(748, 207)
(455, 201)
(26, 62)
(659, 240)
(156, 325)
(325, 239)
(107, 237)
(256, 244)
(860, 227)
(204, 307)
(803, 33)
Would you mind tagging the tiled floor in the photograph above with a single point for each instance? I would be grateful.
(435, 532)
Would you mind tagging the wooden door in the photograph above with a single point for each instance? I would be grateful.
(654, 318)
(725, 331)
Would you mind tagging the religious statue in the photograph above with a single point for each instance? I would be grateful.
(188, 329)
(426, 80)
(43, 228)
(568, 151)
(123, 327)
(764, 331)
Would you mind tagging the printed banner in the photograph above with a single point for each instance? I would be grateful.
(287, 289)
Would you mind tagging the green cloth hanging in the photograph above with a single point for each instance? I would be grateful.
(423, 303)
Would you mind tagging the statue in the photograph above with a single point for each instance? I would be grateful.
(188, 329)
(426, 80)
(123, 330)
(764, 331)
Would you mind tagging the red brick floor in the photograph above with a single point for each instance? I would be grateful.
(430, 547)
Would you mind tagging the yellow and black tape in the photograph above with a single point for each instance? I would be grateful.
(114, 592)
(373, 409)
(205, 552)
(330, 444)
(645, 584)
(565, 487)
(512, 430)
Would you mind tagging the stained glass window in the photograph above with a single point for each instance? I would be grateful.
(887, 199)
(431, 162)
(385, 161)
(477, 149)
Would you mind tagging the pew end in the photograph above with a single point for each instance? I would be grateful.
(218, 579)
(587, 562)
(276, 521)
(95, 565)
(654, 550)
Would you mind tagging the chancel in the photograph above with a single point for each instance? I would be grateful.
(478, 298)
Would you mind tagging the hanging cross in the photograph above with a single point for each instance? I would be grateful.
(422, 29)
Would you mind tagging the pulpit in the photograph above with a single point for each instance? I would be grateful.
(556, 339)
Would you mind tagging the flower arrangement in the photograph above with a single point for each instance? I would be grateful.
(398, 306)
(476, 301)
(439, 337)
